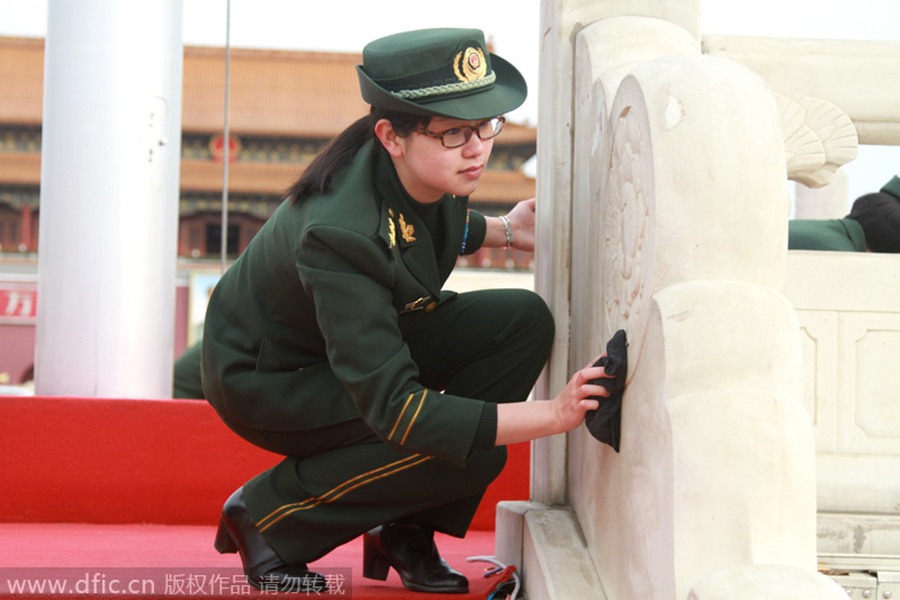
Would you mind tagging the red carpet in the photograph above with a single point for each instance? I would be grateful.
(91, 460)
(104, 561)
(96, 492)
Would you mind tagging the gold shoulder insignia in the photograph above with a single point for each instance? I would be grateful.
(407, 231)
(392, 230)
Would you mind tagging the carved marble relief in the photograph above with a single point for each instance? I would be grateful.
(819, 138)
(626, 217)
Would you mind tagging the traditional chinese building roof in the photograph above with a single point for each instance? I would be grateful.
(273, 92)
(284, 106)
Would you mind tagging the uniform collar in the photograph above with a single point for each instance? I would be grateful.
(401, 227)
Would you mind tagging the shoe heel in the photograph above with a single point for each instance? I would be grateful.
(225, 544)
(375, 565)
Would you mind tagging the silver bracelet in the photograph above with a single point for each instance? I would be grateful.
(509, 234)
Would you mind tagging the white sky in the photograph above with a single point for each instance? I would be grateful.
(513, 25)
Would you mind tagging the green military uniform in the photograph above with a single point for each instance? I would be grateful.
(331, 341)
(845, 235)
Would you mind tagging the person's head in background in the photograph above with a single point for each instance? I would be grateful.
(879, 215)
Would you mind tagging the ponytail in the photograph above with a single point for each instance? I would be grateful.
(339, 152)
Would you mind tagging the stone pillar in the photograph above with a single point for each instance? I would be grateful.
(109, 198)
(676, 231)
(560, 22)
(717, 462)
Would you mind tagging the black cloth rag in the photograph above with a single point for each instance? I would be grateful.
(605, 423)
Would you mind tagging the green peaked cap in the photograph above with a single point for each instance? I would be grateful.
(439, 72)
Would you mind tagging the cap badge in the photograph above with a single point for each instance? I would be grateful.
(470, 64)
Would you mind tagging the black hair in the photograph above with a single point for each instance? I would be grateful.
(339, 152)
(879, 215)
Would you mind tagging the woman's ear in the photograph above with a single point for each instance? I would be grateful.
(389, 138)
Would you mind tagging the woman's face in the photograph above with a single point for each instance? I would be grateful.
(428, 170)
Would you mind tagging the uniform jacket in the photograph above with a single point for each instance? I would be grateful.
(302, 331)
(845, 235)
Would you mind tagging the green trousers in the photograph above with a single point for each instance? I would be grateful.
(340, 481)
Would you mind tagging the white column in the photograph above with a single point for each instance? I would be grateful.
(109, 198)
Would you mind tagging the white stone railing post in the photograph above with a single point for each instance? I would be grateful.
(668, 176)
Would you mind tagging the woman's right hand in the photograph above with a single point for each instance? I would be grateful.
(525, 421)
(574, 401)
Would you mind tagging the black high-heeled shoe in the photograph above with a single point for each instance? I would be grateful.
(410, 549)
(264, 569)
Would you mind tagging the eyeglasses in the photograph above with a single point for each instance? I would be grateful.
(459, 136)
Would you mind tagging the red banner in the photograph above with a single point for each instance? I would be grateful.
(18, 302)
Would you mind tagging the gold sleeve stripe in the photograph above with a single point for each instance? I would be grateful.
(345, 488)
(414, 417)
(397, 424)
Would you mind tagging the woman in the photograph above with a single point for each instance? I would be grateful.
(330, 340)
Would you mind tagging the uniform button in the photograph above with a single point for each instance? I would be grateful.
(431, 306)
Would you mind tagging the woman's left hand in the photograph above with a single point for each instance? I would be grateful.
(521, 219)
